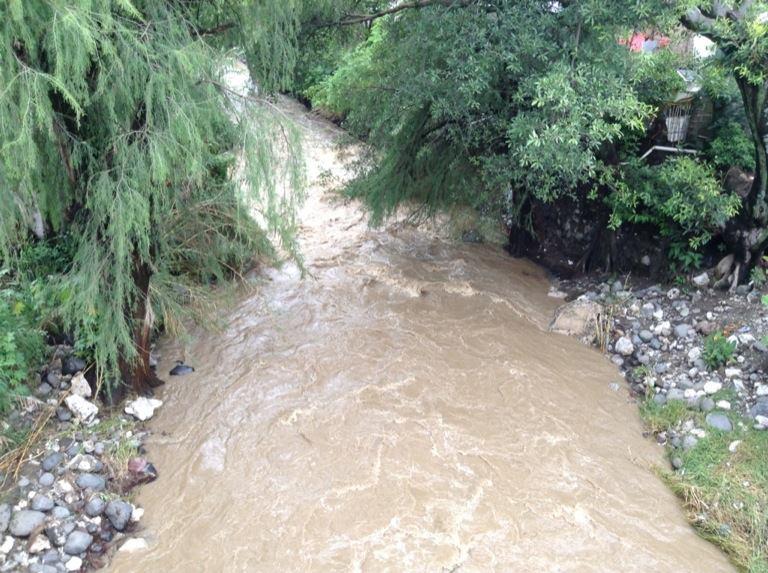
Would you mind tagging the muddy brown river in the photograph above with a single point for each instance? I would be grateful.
(401, 410)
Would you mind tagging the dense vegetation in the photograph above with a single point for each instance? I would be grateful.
(509, 105)
(131, 173)
(121, 151)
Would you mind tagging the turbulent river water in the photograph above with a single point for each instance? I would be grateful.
(402, 409)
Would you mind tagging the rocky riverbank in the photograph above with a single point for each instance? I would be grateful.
(68, 478)
(695, 358)
(666, 340)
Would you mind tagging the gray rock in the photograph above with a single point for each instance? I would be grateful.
(42, 568)
(51, 461)
(119, 513)
(660, 399)
(655, 344)
(624, 346)
(661, 367)
(707, 405)
(677, 463)
(50, 557)
(5, 516)
(719, 421)
(681, 330)
(25, 522)
(675, 394)
(77, 542)
(95, 507)
(60, 512)
(673, 293)
(91, 481)
(57, 534)
(41, 503)
(701, 280)
(181, 369)
(44, 390)
(53, 379)
(63, 414)
(73, 365)
(46, 480)
(760, 408)
(646, 335)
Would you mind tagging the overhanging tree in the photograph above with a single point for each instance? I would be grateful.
(740, 31)
(115, 127)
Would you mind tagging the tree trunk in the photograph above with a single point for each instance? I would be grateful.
(749, 233)
(755, 99)
(137, 372)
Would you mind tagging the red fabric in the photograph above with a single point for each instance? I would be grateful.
(636, 43)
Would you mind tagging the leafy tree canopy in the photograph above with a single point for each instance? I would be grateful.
(118, 129)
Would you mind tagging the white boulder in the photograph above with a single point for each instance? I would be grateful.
(143, 408)
(79, 386)
(81, 408)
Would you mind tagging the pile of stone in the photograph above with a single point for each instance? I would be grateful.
(67, 510)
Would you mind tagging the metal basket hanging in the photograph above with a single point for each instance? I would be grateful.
(677, 116)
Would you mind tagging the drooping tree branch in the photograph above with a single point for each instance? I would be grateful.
(352, 19)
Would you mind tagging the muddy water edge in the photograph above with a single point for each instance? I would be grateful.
(403, 409)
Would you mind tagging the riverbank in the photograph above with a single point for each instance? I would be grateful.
(69, 468)
(695, 359)
(401, 407)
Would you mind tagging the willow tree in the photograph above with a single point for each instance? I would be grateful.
(739, 29)
(117, 127)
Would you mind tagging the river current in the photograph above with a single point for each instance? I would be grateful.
(400, 409)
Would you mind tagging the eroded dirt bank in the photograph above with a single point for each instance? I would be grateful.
(402, 410)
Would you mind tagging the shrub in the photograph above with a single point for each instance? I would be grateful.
(732, 147)
(21, 343)
(718, 351)
(758, 277)
(682, 197)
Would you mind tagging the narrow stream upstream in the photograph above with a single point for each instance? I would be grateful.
(404, 410)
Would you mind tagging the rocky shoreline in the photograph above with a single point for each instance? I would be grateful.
(66, 488)
(658, 337)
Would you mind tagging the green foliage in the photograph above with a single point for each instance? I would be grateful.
(758, 277)
(718, 351)
(339, 92)
(463, 108)
(655, 77)
(682, 197)
(732, 147)
(119, 131)
(21, 341)
(466, 108)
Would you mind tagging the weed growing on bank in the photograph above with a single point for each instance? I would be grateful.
(722, 481)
